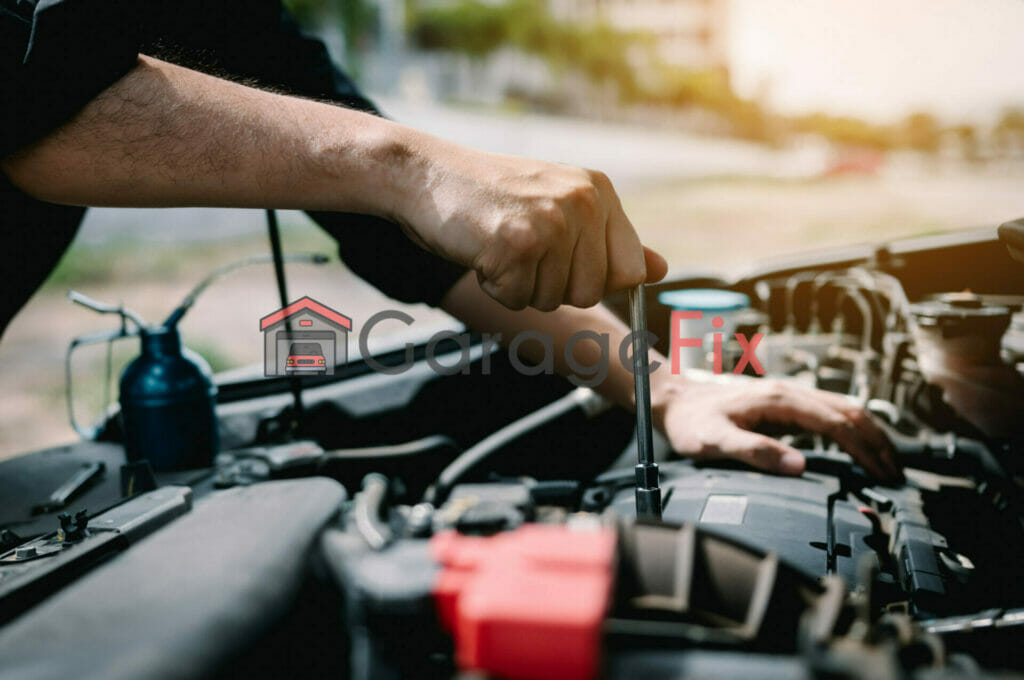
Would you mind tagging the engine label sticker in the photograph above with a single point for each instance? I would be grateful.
(723, 509)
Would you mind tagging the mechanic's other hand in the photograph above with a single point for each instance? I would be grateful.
(537, 234)
(714, 421)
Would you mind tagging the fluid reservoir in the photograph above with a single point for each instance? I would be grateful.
(694, 320)
(958, 339)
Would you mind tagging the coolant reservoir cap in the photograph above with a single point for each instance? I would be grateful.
(704, 300)
(953, 318)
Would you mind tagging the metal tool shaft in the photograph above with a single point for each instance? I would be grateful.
(78, 481)
(648, 493)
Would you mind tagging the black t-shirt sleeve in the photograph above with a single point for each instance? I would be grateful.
(378, 252)
(55, 56)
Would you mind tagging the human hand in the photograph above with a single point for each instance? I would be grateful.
(537, 234)
(708, 421)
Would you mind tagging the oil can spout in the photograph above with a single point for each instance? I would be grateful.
(190, 299)
(103, 308)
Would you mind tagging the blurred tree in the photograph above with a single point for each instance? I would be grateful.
(469, 26)
(307, 11)
(846, 131)
(357, 20)
(1012, 118)
(478, 28)
(966, 137)
(1008, 134)
(710, 90)
(921, 132)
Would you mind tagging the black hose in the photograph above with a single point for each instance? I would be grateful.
(581, 397)
(368, 509)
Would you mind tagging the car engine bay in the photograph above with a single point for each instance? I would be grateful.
(468, 525)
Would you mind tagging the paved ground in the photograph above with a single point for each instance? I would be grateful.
(632, 157)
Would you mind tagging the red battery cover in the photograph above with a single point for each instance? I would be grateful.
(526, 604)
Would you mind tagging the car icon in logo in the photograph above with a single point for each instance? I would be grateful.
(305, 358)
(305, 338)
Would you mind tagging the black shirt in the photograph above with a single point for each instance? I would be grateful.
(56, 55)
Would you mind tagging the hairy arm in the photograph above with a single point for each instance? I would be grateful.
(169, 136)
(536, 234)
(701, 420)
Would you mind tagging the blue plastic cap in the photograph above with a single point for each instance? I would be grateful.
(704, 300)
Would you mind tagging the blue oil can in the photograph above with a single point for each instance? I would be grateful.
(167, 404)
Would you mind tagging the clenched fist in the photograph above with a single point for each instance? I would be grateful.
(537, 234)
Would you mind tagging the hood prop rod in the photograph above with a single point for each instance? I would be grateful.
(295, 382)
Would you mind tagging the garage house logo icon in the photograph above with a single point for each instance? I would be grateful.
(304, 338)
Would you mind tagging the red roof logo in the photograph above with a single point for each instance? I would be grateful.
(306, 304)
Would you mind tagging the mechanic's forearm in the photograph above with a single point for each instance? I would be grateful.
(168, 136)
(473, 307)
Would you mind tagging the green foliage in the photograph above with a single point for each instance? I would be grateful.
(471, 27)
(307, 11)
(477, 29)
(89, 264)
(357, 19)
